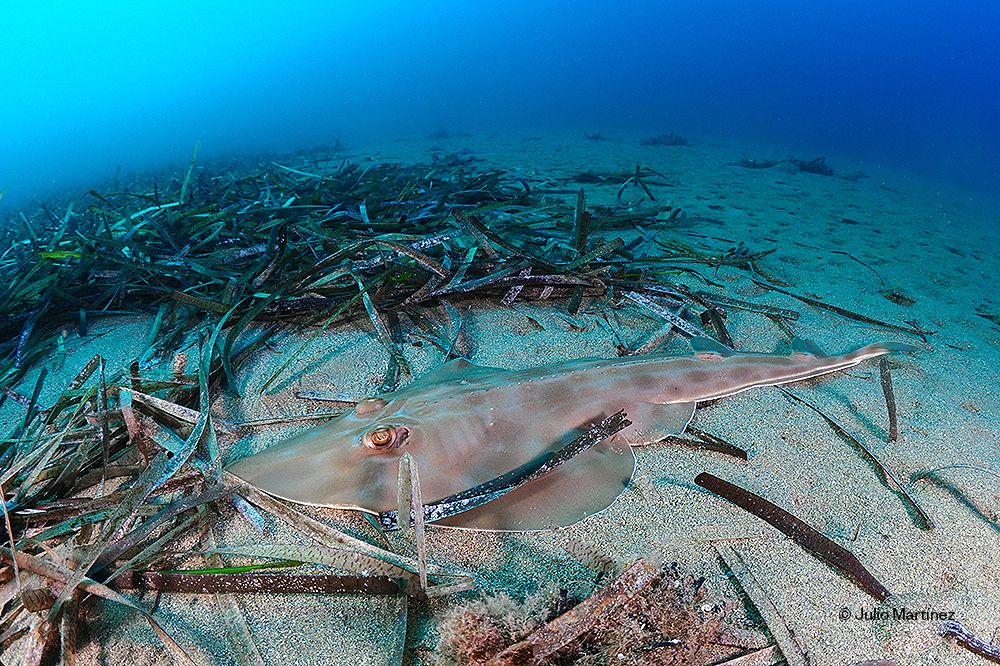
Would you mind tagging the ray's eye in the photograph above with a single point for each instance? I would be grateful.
(380, 438)
(386, 437)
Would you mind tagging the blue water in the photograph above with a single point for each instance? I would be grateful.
(88, 88)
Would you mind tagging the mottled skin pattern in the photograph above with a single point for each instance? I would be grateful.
(465, 425)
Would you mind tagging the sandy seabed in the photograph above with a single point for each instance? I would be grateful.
(930, 244)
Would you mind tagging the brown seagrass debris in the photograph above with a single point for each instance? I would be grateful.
(574, 623)
(710, 442)
(890, 400)
(920, 517)
(270, 583)
(410, 512)
(233, 619)
(803, 534)
(716, 318)
(59, 574)
(647, 614)
(898, 298)
(776, 625)
(669, 139)
(974, 644)
(843, 312)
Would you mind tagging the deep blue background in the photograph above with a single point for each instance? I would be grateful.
(83, 89)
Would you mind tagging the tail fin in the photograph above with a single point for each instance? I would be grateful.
(882, 348)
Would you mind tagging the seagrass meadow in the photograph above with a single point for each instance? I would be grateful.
(162, 325)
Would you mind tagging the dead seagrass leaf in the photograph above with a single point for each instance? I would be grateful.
(37, 599)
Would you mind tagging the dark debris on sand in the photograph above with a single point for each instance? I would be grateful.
(670, 139)
(648, 614)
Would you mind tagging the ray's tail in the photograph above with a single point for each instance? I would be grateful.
(880, 349)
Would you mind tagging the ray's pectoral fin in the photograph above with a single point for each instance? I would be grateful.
(580, 487)
(583, 486)
(652, 422)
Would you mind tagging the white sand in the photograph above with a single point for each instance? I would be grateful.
(928, 244)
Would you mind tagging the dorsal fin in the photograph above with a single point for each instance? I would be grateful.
(806, 348)
(707, 348)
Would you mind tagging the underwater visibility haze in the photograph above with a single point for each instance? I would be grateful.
(500, 333)
(89, 88)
